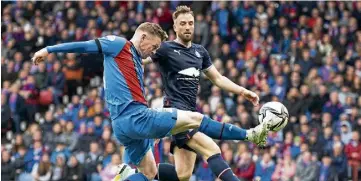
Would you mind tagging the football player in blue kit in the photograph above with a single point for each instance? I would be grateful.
(180, 63)
(134, 124)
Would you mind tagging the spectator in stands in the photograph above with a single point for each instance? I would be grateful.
(7, 167)
(245, 167)
(86, 138)
(265, 168)
(40, 76)
(203, 172)
(81, 119)
(99, 125)
(333, 107)
(327, 170)
(5, 115)
(30, 93)
(110, 170)
(73, 73)
(60, 170)
(9, 74)
(75, 169)
(316, 145)
(69, 137)
(339, 161)
(52, 138)
(56, 82)
(17, 106)
(105, 138)
(106, 158)
(353, 152)
(42, 170)
(60, 149)
(92, 159)
(285, 169)
(49, 122)
(306, 169)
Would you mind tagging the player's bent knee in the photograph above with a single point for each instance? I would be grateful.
(214, 149)
(151, 173)
(197, 117)
(184, 174)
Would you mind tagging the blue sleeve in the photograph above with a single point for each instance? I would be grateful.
(207, 62)
(160, 53)
(110, 45)
(75, 47)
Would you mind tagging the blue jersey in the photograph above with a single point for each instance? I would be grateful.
(180, 68)
(123, 74)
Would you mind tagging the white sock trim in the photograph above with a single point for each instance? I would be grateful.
(223, 172)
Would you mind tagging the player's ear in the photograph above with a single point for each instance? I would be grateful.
(175, 27)
(144, 36)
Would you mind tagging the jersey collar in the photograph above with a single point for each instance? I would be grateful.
(182, 44)
(134, 48)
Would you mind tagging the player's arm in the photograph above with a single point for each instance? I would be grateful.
(224, 83)
(110, 45)
(73, 47)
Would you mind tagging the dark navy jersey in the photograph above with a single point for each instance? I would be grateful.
(180, 68)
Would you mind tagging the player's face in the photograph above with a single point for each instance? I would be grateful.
(148, 45)
(184, 27)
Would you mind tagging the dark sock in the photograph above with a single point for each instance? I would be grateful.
(221, 131)
(166, 172)
(137, 177)
(220, 168)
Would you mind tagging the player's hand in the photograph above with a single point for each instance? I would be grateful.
(39, 56)
(251, 96)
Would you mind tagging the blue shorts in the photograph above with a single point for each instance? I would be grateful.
(138, 125)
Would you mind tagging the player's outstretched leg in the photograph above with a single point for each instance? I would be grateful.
(216, 130)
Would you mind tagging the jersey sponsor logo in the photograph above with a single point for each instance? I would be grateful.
(177, 51)
(198, 55)
(193, 72)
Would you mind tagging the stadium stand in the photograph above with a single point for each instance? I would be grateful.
(55, 126)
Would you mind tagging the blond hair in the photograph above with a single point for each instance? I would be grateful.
(182, 10)
(153, 29)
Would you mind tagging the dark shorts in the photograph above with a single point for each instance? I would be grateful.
(179, 140)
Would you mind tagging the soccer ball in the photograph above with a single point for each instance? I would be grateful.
(274, 112)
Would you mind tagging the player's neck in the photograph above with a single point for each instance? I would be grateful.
(186, 44)
(135, 44)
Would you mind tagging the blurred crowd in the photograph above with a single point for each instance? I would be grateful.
(55, 125)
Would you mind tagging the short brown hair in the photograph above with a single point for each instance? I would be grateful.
(154, 29)
(182, 10)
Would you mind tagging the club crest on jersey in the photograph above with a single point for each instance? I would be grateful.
(111, 37)
(198, 55)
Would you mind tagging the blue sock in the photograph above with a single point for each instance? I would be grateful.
(220, 168)
(137, 177)
(166, 172)
(221, 131)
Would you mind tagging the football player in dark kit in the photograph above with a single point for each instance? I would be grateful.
(180, 63)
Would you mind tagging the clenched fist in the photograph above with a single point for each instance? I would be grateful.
(39, 56)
